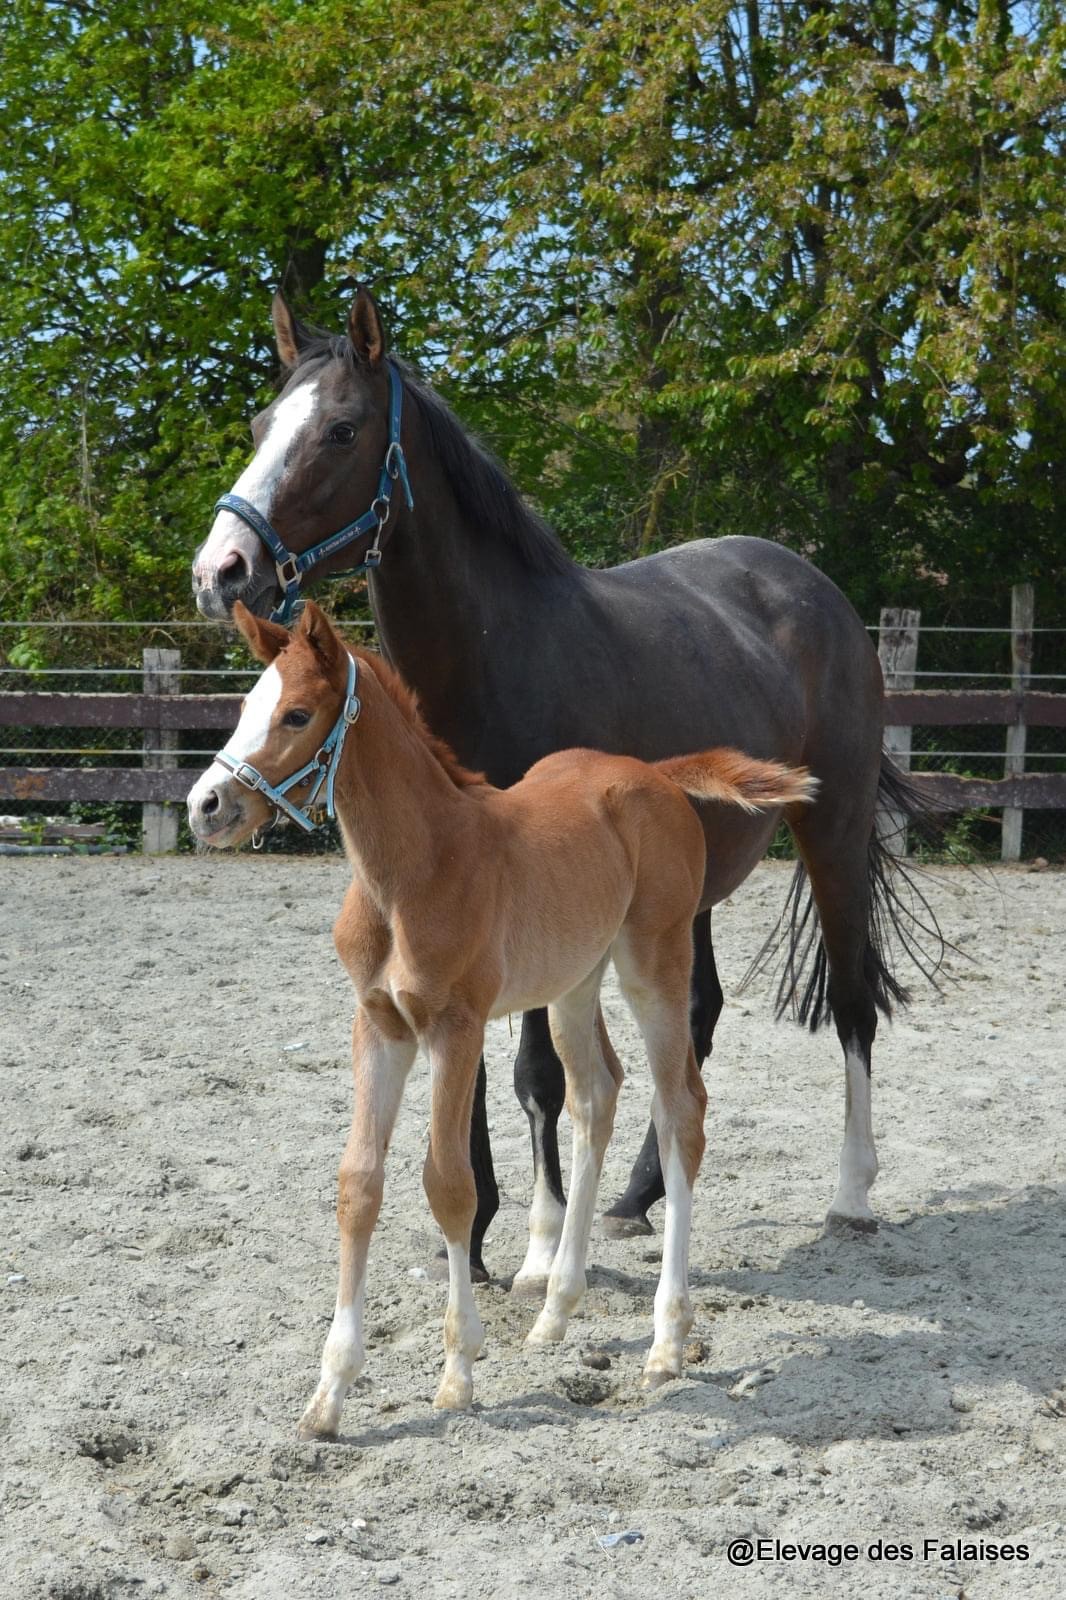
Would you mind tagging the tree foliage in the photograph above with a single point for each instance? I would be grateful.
(792, 267)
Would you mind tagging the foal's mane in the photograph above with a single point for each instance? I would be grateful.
(483, 491)
(406, 702)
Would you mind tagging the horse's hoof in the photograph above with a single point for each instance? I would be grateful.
(614, 1226)
(453, 1395)
(546, 1330)
(655, 1377)
(836, 1222)
(529, 1287)
(437, 1270)
(308, 1433)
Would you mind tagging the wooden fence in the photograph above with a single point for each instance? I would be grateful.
(161, 713)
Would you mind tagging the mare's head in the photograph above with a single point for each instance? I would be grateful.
(284, 722)
(319, 449)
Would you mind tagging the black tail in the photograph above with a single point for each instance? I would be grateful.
(898, 909)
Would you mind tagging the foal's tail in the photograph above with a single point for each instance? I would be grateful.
(739, 780)
(898, 911)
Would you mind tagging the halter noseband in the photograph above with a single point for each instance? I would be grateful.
(325, 762)
(291, 567)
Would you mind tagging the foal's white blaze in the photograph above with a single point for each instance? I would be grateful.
(248, 738)
(258, 484)
(858, 1157)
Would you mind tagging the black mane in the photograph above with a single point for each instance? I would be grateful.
(484, 493)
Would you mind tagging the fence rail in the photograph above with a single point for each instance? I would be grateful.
(158, 783)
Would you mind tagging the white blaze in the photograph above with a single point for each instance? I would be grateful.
(258, 483)
(250, 734)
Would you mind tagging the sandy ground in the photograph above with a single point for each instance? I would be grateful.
(175, 1077)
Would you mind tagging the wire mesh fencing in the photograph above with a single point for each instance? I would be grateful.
(106, 659)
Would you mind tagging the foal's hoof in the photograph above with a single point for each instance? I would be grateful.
(837, 1222)
(309, 1430)
(529, 1286)
(615, 1226)
(454, 1394)
(655, 1377)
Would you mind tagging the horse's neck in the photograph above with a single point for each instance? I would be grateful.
(444, 597)
(395, 803)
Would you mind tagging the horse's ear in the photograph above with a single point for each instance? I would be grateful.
(365, 328)
(289, 333)
(318, 630)
(264, 639)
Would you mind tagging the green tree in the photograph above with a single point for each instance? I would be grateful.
(793, 269)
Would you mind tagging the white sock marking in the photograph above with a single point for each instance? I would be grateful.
(858, 1157)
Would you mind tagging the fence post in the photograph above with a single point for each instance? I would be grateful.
(897, 648)
(159, 823)
(1021, 649)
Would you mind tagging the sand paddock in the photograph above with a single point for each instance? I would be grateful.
(174, 1048)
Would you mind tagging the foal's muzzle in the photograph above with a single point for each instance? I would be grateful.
(216, 813)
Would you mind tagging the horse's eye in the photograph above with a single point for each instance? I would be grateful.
(341, 433)
(296, 719)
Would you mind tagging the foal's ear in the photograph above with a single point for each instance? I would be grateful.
(290, 335)
(264, 639)
(365, 328)
(318, 630)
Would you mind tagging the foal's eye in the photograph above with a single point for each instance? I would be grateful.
(296, 719)
(341, 433)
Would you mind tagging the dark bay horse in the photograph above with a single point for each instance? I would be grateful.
(515, 651)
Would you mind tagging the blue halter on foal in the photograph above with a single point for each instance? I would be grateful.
(325, 762)
(291, 567)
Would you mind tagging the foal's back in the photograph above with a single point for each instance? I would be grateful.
(583, 844)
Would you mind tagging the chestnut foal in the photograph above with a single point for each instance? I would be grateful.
(469, 902)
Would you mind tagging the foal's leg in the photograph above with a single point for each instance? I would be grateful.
(629, 1214)
(380, 1065)
(650, 970)
(540, 1087)
(593, 1077)
(454, 1047)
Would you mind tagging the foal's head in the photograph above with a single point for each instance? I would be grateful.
(284, 721)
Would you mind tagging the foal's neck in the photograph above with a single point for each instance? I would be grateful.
(397, 807)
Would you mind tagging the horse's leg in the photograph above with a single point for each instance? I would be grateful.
(540, 1087)
(651, 973)
(488, 1194)
(837, 861)
(593, 1077)
(448, 1177)
(629, 1214)
(380, 1064)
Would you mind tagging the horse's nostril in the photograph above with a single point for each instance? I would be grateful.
(233, 568)
(209, 803)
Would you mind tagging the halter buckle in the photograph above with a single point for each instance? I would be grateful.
(372, 558)
(288, 572)
(246, 774)
(352, 707)
(394, 460)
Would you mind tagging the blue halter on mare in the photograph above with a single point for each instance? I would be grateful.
(326, 761)
(291, 567)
